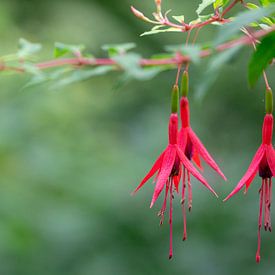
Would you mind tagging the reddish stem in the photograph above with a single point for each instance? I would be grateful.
(179, 59)
(229, 7)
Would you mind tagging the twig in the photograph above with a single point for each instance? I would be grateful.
(177, 59)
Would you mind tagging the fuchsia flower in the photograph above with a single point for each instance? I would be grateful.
(193, 148)
(168, 167)
(263, 163)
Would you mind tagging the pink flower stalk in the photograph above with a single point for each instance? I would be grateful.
(263, 163)
(168, 167)
(193, 148)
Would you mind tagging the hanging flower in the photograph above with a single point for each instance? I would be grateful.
(192, 147)
(168, 168)
(263, 163)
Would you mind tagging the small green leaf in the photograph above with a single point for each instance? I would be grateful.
(260, 59)
(220, 4)
(252, 6)
(80, 75)
(130, 63)
(118, 49)
(193, 51)
(154, 31)
(243, 19)
(204, 4)
(27, 48)
(31, 68)
(61, 49)
(43, 77)
(266, 2)
(213, 69)
(179, 18)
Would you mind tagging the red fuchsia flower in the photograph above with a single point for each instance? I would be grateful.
(263, 163)
(168, 168)
(192, 147)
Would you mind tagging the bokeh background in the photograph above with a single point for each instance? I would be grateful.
(69, 158)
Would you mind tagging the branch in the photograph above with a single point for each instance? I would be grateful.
(184, 27)
(176, 60)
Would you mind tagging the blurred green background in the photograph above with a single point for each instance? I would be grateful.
(70, 158)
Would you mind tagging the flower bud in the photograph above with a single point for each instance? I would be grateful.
(268, 101)
(175, 99)
(140, 15)
(184, 84)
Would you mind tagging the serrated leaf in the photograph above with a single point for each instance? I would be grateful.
(220, 3)
(31, 68)
(43, 77)
(179, 18)
(26, 48)
(154, 31)
(204, 4)
(252, 6)
(131, 65)
(205, 17)
(118, 49)
(193, 51)
(80, 75)
(243, 19)
(61, 49)
(194, 22)
(266, 2)
(260, 59)
(213, 69)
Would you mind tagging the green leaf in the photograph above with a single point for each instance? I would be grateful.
(204, 4)
(43, 77)
(205, 17)
(118, 49)
(80, 75)
(266, 2)
(243, 19)
(266, 20)
(131, 65)
(61, 49)
(193, 51)
(179, 18)
(260, 59)
(27, 48)
(213, 69)
(154, 31)
(220, 3)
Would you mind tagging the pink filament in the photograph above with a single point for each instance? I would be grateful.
(163, 208)
(183, 206)
(270, 201)
(189, 192)
(258, 257)
(171, 221)
(266, 197)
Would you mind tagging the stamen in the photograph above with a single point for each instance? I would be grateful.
(183, 185)
(269, 205)
(163, 208)
(171, 221)
(189, 192)
(183, 206)
(258, 257)
(266, 197)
